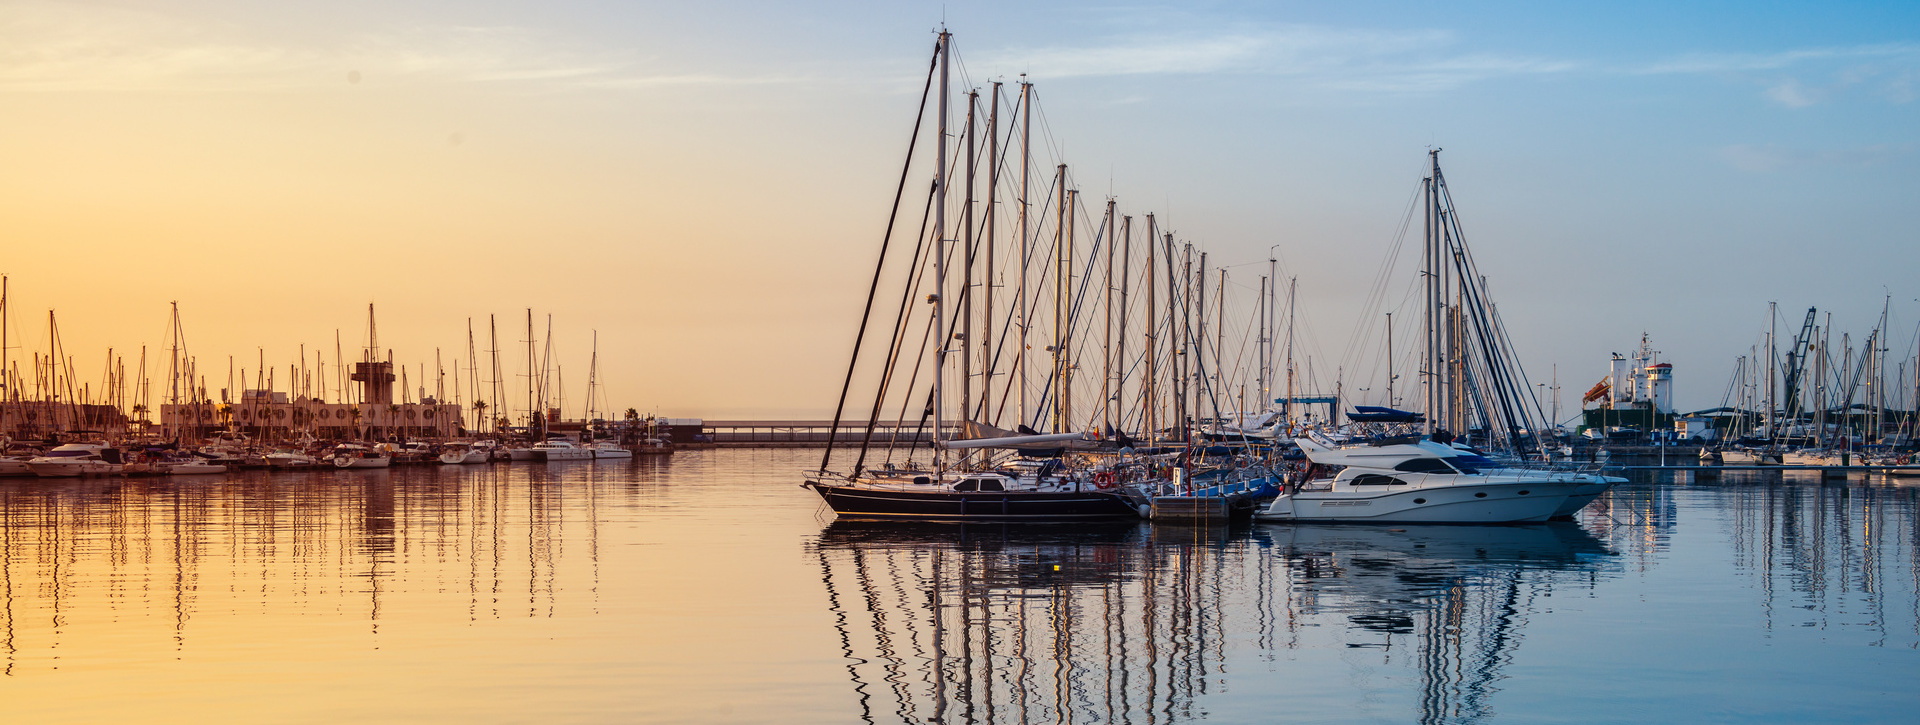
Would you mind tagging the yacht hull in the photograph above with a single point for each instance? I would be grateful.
(862, 502)
(1583, 495)
(1490, 503)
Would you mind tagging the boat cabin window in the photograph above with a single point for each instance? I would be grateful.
(1424, 465)
(979, 484)
(1374, 479)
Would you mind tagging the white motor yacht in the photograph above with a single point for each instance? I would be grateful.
(560, 450)
(608, 449)
(357, 456)
(77, 459)
(1420, 481)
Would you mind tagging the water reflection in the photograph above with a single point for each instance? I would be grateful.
(1132, 623)
(339, 544)
(659, 591)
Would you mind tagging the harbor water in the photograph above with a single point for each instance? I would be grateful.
(709, 587)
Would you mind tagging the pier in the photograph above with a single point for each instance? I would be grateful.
(814, 433)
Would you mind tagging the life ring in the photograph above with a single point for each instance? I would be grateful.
(1103, 479)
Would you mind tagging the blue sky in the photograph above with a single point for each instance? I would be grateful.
(1620, 168)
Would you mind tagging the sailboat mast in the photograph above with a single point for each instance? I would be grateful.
(1150, 404)
(940, 255)
(1060, 284)
(1106, 336)
(1120, 343)
(993, 197)
(1026, 239)
(966, 267)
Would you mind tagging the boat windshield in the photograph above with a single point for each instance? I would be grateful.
(69, 454)
(1470, 463)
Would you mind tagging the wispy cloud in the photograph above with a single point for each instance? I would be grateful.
(56, 47)
(1350, 59)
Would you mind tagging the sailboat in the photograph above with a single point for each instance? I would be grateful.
(994, 478)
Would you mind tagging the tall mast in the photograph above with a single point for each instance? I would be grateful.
(1293, 289)
(1026, 240)
(1390, 362)
(1149, 412)
(1106, 337)
(966, 269)
(1200, 335)
(498, 389)
(531, 369)
(1429, 361)
(1120, 343)
(993, 197)
(940, 256)
(1060, 284)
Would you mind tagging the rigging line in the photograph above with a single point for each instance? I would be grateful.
(873, 289)
(916, 271)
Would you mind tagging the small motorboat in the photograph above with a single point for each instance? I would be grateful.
(560, 450)
(609, 450)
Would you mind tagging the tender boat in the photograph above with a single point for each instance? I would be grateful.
(1419, 481)
(187, 467)
(78, 459)
(609, 450)
(560, 450)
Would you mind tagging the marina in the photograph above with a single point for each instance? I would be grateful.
(994, 363)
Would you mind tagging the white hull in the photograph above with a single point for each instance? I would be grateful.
(1583, 495)
(292, 461)
(1747, 458)
(14, 467)
(1500, 502)
(611, 453)
(521, 454)
(565, 454)
(458, 458)
(70, 469)
(352, 462)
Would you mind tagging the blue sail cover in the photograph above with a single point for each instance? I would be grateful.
(1381, 414)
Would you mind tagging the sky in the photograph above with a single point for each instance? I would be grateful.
(702, 186)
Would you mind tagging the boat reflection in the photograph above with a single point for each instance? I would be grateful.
(1140, 623)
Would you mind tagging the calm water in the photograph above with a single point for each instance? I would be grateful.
(710, 588)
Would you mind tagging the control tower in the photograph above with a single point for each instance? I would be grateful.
(376, 382)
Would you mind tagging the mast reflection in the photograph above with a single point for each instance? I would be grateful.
(489, 543)
(1140, 624)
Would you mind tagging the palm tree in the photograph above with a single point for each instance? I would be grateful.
(393, 412)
